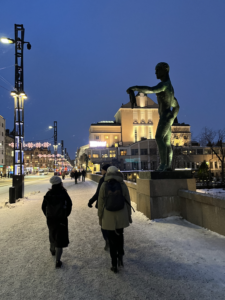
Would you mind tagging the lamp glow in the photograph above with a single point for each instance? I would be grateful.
(7, 41)
(13, 94)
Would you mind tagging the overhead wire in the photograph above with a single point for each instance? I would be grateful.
(4, 88)
(6, 81)
(7, 67)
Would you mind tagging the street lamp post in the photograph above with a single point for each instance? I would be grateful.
(19, 96)
(55, 146)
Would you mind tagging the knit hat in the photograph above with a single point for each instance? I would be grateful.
(112, 170)
(55, 180)
(105, 167)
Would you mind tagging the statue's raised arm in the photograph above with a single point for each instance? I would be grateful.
(166, 100)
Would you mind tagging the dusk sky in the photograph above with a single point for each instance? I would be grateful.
(85, 54)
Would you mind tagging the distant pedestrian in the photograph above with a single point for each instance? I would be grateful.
(76, 176)
(1, 174)
(8, 174)
(83, 173)
(95, 198)
(72, 174)
(79, 174)
(57, 206)
(114, 211)
(63, 175)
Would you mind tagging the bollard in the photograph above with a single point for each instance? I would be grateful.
(12, 194)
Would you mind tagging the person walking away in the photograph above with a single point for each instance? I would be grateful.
(95, 198)
(83, 173)
(114, 211)
(75, 176)
(72, 174)
(79, 174)
(63, 175)
(57, 206)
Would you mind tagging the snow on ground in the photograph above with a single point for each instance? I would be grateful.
(164, 259)
(215, 192)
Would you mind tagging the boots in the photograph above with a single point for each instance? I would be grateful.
(114, 269)
(106, 248)
(58, 264)
(120, 261)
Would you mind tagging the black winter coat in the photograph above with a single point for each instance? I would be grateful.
(95, 197)
(58, 227)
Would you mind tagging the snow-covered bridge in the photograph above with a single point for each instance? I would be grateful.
(164, 259)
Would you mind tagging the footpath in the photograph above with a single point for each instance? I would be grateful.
(167, 259)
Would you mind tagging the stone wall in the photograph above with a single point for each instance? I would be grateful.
(169, 197)
(204, 210)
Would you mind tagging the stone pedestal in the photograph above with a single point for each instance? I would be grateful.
(158, 198)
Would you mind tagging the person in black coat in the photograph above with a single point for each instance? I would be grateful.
(76, 175)
(57, 198)
(95, 198)
(83, 175)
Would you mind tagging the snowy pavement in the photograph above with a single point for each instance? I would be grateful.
(164, 259)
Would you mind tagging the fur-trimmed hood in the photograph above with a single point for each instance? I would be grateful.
(117, 176)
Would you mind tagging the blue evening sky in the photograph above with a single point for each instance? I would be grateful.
(86, 53)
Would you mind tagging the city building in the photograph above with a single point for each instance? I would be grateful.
(37, 158)
(129, 142)
(2, 146)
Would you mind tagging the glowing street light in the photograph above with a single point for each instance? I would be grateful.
(19, 96)
(7, 41)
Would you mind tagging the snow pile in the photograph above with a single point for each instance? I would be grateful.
(214, 192)
(166, 259)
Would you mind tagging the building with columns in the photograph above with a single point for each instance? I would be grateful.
(129, 142)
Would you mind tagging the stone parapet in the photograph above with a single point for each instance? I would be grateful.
(170, 197)
(203, 210)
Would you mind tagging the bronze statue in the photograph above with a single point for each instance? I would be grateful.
(165, 97)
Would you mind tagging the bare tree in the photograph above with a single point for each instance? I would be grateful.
(214, 139)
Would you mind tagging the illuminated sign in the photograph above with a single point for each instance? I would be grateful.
(97, 144)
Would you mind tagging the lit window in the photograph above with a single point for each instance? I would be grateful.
(123, 152)
(116, 137)
(95, 155)
(112, 153)
(116, 144)
(107, 145)
(106, 137)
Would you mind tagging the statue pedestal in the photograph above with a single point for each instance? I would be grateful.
(158, 198)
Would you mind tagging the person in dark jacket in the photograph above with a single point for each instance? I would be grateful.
(95, 198)
(76, 175)
(83, 173)
(79, 174)
(58, 226)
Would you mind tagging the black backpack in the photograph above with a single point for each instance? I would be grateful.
(56, 206)
(114, 196)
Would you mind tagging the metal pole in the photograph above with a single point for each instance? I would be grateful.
(18, 166)
(55, 142)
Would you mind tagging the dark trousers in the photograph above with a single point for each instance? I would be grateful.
(83, 178)
(75, 180)
(105, 234)
(116, 243)
(58, 251)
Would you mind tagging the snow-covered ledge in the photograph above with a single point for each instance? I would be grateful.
(205, 210)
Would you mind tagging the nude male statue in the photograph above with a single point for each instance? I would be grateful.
(165, 97)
